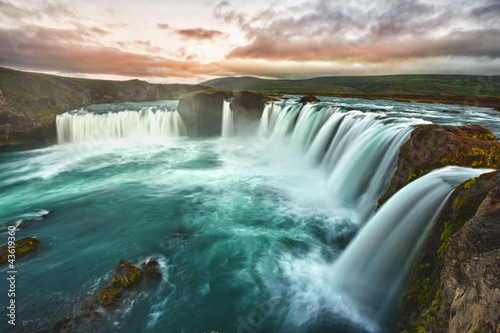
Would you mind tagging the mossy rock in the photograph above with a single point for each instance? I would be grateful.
(127, 275)
(23, 247)
(433, 146)
(109, 296)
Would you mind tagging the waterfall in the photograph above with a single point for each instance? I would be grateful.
(227, 120)
(358, 150)
(369, 273)
(83, 126)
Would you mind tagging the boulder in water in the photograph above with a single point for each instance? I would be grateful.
(152, 270)
(309, 99)
(127, 277)
(22, 248)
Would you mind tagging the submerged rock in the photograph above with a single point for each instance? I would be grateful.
(21, 224)
(202, 111)
(309, 99)
(22, 247)
(433, 146)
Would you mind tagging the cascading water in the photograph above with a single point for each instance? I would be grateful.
(250, 237)
(146, 123)
(357, 150)
(369, 273)
(227, 120)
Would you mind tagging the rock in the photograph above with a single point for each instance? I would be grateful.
(471, 274)
(152, 269)
(127, 277)
(451, 111)
(309, 99)
(433, 146)
(249, 104)
(454, 285)
(202, 112)
(23, 247)
(96, 310)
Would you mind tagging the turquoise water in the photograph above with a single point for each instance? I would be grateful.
(243, 228)
(225, 221)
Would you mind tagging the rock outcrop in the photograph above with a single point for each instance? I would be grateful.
(249, 104)
(455, 283)
(29, 102)
(433, 146)
(202, 112)
(21, 248)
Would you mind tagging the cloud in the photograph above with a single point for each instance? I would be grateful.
(386, 32)
(29, 11)
(163, 26)
(65, 52)
(199, 33)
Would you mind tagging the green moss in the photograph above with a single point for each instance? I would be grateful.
(470, 183)
(22, 246)
(109, 295)
(131, 279)
(430, 147)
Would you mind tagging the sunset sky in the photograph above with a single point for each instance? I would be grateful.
(192, 41)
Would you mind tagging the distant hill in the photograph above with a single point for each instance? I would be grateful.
(29, 102)
(458, 85)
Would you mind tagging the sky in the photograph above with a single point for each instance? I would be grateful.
(192, 41)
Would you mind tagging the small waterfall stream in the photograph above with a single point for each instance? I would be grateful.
(227, 120)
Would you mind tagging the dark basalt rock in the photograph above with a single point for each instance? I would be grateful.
(433, 146)
(202, 112)
(23, 247)
(309, 99)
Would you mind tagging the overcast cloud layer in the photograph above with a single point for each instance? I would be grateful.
(180, 41)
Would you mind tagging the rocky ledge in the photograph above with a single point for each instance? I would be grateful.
(434, 146)
(454, 284)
